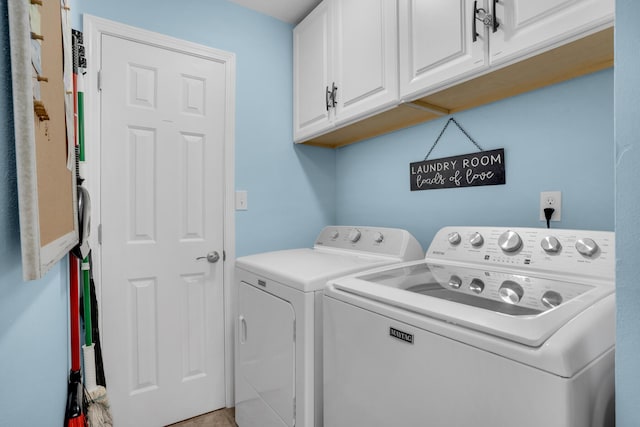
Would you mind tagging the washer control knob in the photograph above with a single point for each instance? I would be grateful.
(476, 286)
(455, 282)
(378, 237)
(509, 241)
(476, 240)
(334, 235)
(511, 292)
(551, 245)
(551, 299)
(454, 238)
(355, 235)
(587, 247)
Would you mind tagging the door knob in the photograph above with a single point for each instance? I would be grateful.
(211, 257)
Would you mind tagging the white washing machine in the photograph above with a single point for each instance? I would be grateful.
(278, 368)
(494, 328)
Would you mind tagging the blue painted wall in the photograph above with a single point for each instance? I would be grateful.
(556, 138)
(291, 189)
(627, 146)
(33, 315)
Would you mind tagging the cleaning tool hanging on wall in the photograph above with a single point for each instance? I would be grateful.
(74, 413)
(97, 410)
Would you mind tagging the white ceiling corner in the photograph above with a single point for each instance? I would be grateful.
(291, 11)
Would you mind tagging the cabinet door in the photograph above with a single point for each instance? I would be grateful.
(311, 52)
(366, 57)
(436, 43)
(530, 26)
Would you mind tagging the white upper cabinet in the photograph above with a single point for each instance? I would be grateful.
(366, 56)
(311, 74)
(526, 26)
(345, 64)
(437, 42)
(438, 47)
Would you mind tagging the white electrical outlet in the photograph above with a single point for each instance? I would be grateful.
(241, 201)
(551, 199)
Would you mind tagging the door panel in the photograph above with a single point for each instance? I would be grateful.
(265, 377)
(528, 26)
(163, 115)
(366, 55)
(311, 53)
(436, 43)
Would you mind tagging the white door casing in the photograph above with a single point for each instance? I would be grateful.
(161, 183)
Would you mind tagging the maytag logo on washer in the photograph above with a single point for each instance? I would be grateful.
(401, 335)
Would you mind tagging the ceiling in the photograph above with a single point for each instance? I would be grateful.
(291, 11)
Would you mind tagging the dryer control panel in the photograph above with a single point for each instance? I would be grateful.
(382, 241)
(575, 253)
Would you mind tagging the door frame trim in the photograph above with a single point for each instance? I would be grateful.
(93, 29)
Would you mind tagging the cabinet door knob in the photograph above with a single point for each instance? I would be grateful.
(334, 91)
(327, 95)
(474, 15)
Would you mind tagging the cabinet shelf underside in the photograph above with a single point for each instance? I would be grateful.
(583, 56)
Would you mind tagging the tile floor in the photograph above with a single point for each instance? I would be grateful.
(220, 418)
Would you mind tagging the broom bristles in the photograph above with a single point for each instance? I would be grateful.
(78, 421)
(98, 413)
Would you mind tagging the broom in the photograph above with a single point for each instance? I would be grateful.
(74, 415)
(98, 414)
(74, 412)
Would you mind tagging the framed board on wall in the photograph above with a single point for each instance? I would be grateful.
(41, 70)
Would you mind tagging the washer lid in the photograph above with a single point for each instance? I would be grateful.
(526, 309)
(308, 269)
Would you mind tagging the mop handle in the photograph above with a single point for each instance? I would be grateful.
(86, 299)
(74, 310)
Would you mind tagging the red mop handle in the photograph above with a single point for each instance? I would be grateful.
(74, 309)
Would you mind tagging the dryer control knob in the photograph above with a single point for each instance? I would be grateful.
(334, 235)
(587, 247)
(378, 237)
(551, 245)
(476, 240)
(455, 282)
(476, 286)
(454, 238)
(355, 235)
(509, 241)
(551, 299)
(511, 292)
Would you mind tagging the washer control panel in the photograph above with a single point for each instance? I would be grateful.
(499, 291)
(558, 251)
(382, 241)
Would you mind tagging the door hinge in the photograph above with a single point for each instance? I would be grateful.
(99, 234)
(99, 80)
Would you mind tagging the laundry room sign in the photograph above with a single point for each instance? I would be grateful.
(467, 170)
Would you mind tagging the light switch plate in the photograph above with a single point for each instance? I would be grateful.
(241, 200)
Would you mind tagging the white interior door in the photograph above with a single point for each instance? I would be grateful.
(162, 186)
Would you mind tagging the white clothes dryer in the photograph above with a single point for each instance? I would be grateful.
(495, 327)
(278, 357)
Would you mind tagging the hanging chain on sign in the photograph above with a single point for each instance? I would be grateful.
(467, 170)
